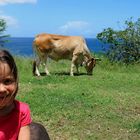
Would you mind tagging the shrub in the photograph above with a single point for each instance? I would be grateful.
(2, 29)
(124, 45)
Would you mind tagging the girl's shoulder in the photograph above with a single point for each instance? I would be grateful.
(21, 106)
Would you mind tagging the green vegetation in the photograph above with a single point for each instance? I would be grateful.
(2, 29)
(124, 45)
(105, 106)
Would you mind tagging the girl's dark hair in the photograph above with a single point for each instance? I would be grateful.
(6, 57)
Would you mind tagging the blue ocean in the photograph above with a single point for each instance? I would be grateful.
(22, 46)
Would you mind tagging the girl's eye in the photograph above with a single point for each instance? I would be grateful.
(8, 81)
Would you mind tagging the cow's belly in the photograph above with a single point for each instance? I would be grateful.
(56, 55)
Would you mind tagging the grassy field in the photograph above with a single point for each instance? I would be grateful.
(104, 106)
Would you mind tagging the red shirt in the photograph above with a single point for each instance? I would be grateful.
(11, 124)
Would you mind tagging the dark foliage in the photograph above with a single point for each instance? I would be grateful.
(124, 45)
(2, 29)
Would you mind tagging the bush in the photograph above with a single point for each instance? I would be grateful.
(124, 45)
(2, 29)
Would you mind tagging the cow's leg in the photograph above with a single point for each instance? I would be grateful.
(73, 62)
(77, 68)
(46, 68)
(36, 67)
(72, 69)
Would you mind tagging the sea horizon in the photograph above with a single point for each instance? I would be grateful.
(23, 45)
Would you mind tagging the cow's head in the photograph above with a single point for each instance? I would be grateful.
(89, 65)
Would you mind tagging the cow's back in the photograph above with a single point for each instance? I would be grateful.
(58, 46)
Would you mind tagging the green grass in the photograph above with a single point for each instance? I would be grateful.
(105, 106)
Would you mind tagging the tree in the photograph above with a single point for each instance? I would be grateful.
(2, 29)
(124, 45)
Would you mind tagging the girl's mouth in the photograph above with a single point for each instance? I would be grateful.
(3, 100)
(3, 97)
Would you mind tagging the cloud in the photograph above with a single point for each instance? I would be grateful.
(4, 2)
(10, 21)
(75, 28)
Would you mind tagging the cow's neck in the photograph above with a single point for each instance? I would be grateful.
(87, 56)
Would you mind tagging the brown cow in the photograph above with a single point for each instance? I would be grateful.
(59, 47)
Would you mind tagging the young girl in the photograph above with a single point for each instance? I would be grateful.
(14, 115)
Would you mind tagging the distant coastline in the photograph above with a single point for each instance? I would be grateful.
(23, 45)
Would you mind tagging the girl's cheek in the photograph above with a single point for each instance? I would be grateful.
(12, 88)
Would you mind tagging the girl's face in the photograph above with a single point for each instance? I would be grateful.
(8, 85)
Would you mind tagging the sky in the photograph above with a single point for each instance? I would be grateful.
(27, 18)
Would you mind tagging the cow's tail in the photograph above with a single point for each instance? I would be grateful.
(34, 68)
(34, 58)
